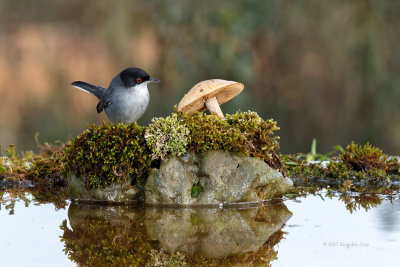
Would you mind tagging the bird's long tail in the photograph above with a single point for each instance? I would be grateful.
(89, 88)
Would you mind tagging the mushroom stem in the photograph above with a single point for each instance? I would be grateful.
(213, 107)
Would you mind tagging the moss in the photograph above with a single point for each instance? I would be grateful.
(196, 190)
(167, 135)
(14, 166)
(48, 165)
(40, 174)
(244, 133)
(161, 259)
(368, 157)
(37, 174)
(358, 169)
(113, 153)
(108, 154)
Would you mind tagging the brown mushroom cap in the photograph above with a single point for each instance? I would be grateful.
(196, 98)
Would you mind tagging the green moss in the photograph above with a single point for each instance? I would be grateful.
(48, 165)
(14, 166)
(196, 190)
(39, 174)
(367, 158)
(112, 153)
(244, 132)
(109, 154)
(358, 168)
(161, 258)
(167, 135)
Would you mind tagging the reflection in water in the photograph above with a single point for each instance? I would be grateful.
(389, 215)
(133, 236)
(361, 201)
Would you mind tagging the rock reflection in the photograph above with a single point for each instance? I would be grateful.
(102, 235)
(214, 233)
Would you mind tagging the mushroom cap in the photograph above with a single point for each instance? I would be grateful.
(196, 98)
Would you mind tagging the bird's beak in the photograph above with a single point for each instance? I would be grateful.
(154, 80)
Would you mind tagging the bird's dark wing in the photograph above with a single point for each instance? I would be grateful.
(103, 103)
(93, 89)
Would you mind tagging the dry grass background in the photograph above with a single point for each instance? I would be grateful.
(324, 69)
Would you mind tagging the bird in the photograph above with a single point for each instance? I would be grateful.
(126, 98)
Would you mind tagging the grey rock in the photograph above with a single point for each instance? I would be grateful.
(172, 183)
(115, 193)
(226, 178)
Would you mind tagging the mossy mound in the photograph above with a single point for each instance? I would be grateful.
(109, 154)
(245, 133)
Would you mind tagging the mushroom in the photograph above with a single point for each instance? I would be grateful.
(209, 94)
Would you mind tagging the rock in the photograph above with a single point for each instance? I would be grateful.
(172, 183)
(209, 178)
(115, 193)
(225, 177)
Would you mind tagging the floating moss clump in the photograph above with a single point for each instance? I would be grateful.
(39, 174)
(358, 168)
(366, 163)
(109, 154)
(15, 167)
(367, 158)
(42, 169)
(48, 165)
(244, 132)
(168, 135)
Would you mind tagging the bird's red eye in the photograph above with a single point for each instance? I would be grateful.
(138, 80)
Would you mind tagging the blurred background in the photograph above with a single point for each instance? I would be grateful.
(323, 69)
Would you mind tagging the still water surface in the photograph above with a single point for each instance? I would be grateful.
(310, 231)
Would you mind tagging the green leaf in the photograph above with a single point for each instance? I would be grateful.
(2, 169)
(314, 147)
(339, 148)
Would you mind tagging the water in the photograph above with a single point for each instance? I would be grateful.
(316, 232)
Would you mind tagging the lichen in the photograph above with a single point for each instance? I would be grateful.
(167, 135)
(109, 154)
